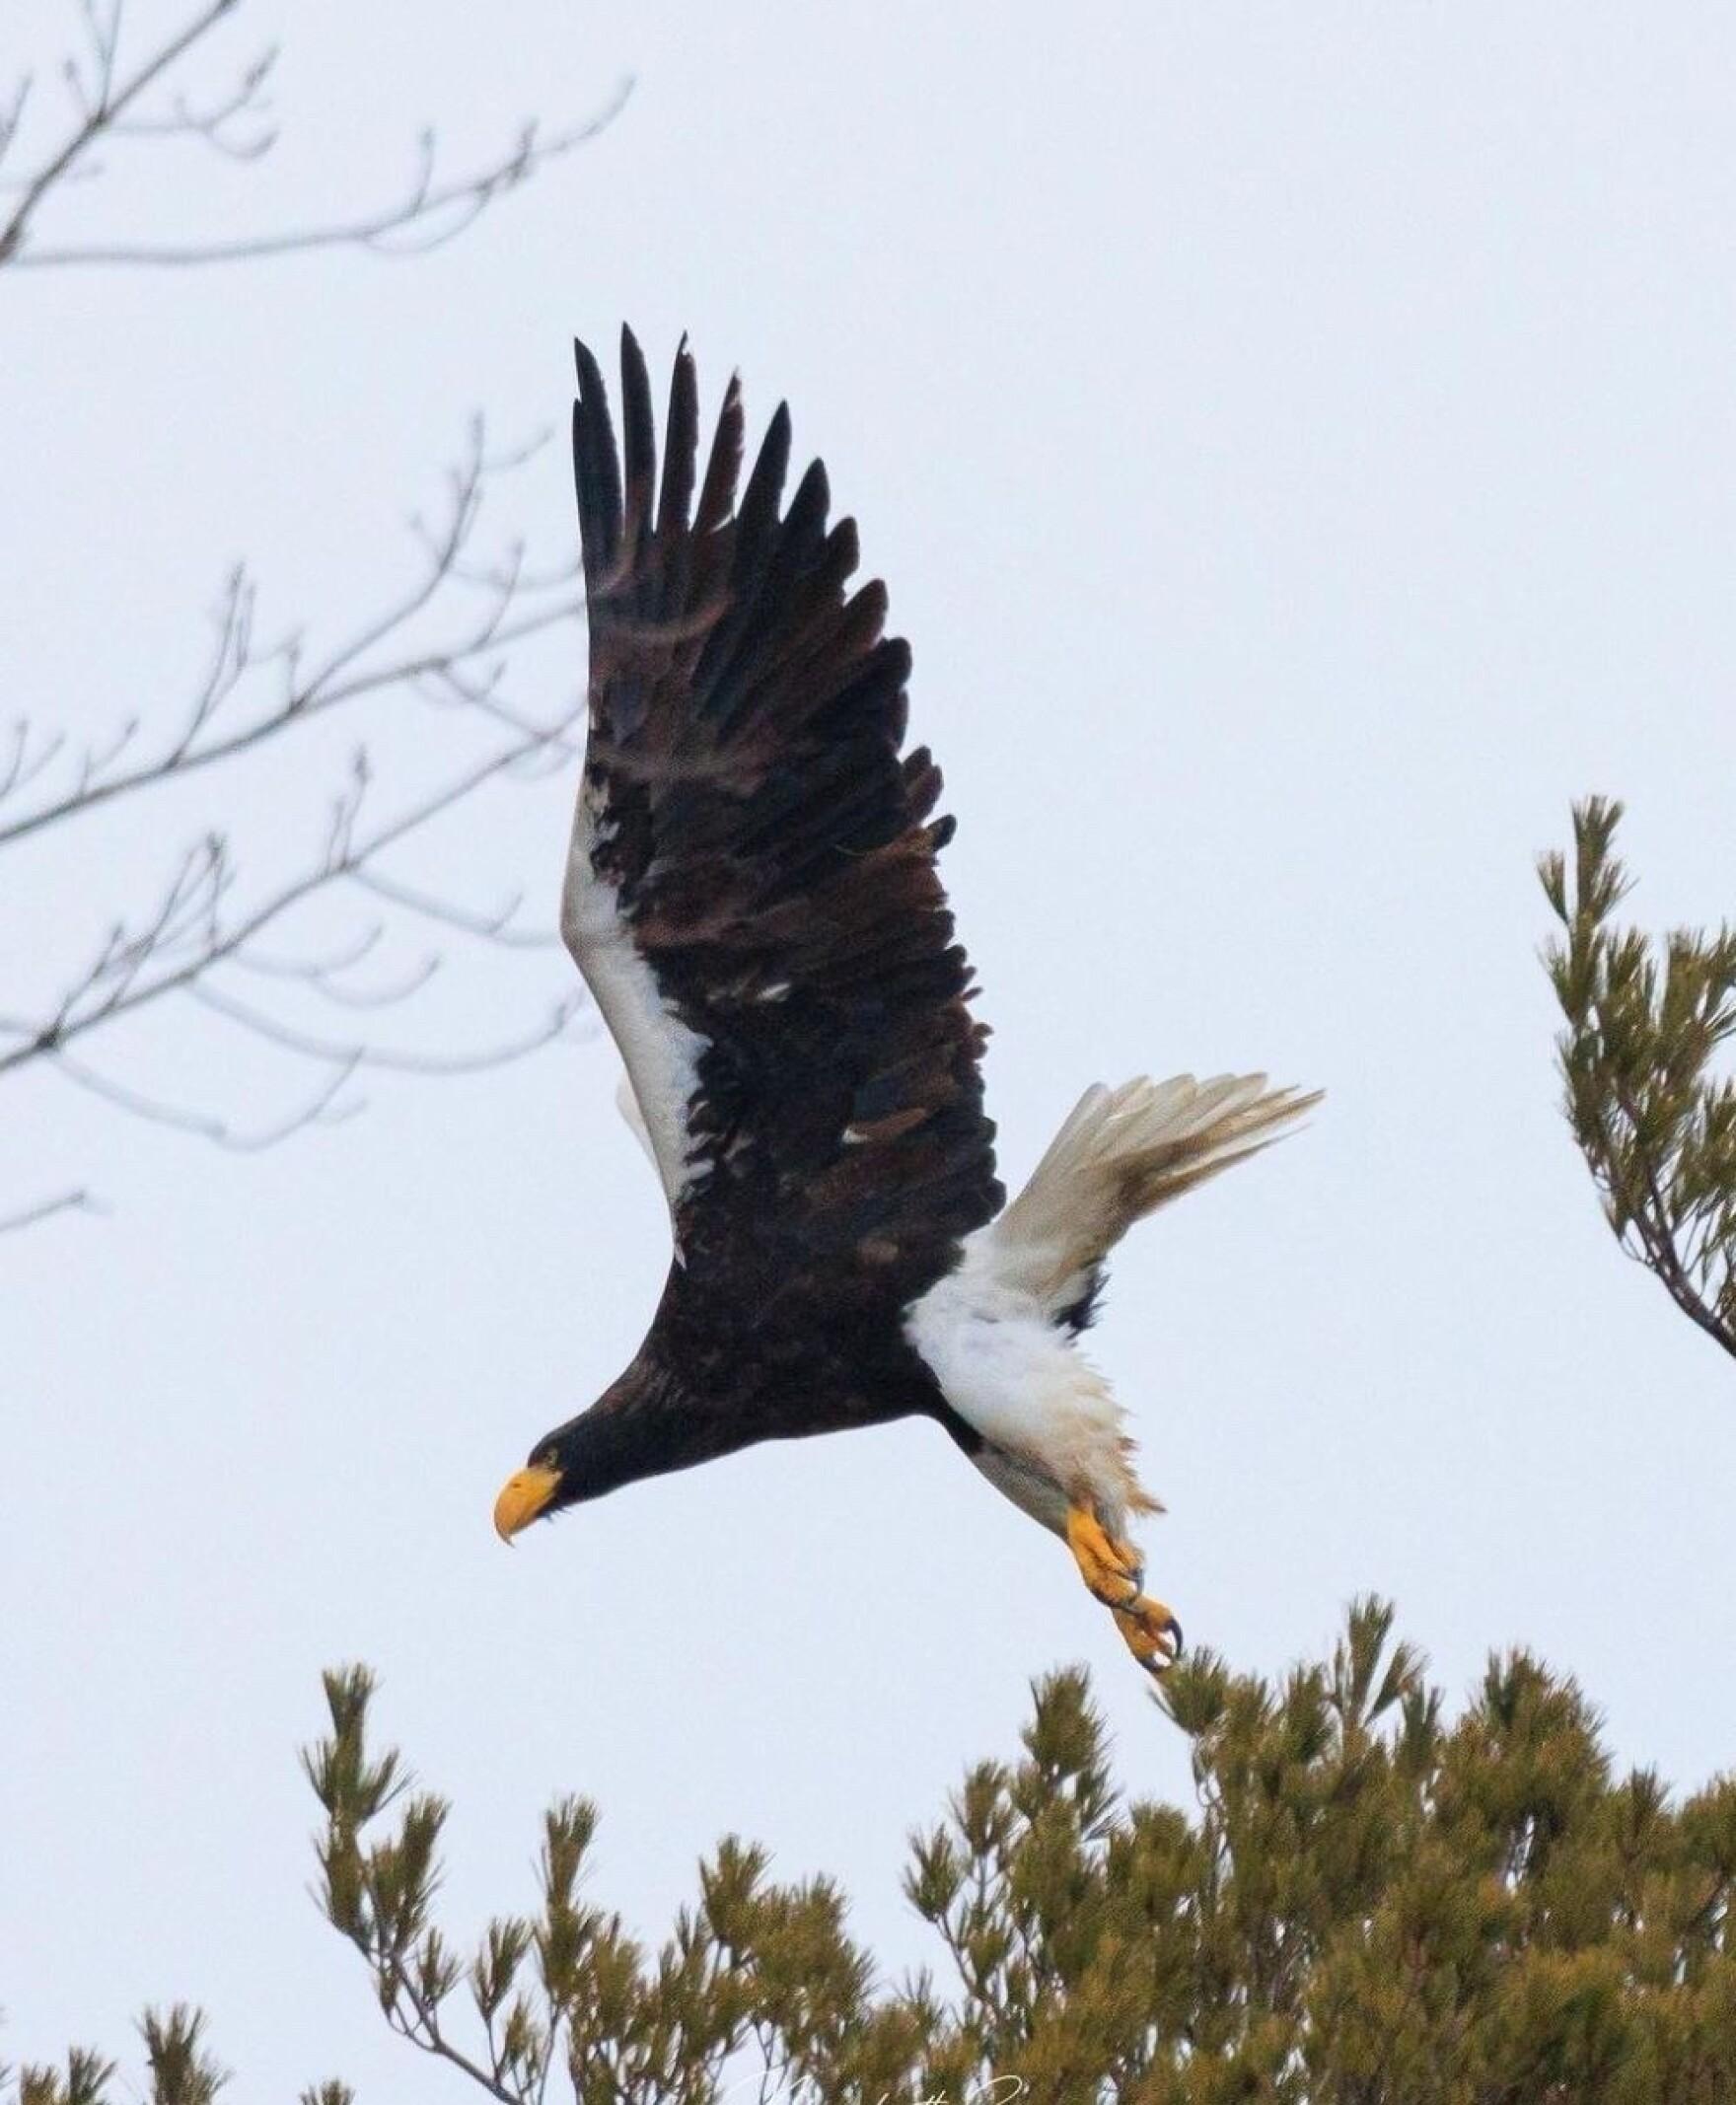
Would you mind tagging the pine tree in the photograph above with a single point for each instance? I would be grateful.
(1369, 1905)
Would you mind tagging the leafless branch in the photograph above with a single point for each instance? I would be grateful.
(398, 1060)
(413, 2017)
(187, 934)
(324, 975)
(193, 933)
(107, 106)
(215, 122)
(218, 937)
(24, 767)
(492, 927)
(12, 111)
(78, 1202)
(99, 103)
(189, 937)
(466, 665)
(321, 1108)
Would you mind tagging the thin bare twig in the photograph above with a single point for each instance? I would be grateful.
(106, 109)
(103, 108)
(429, 215)
(323, 976)
(79, 1201)
(187, 937)
(24, 767)
(12, 111)
(191, 933)
(399, 1061)
(510, 614)
(487, 928)
(213, 122)
(321, 1108)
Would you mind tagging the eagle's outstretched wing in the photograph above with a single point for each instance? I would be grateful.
(750, 891)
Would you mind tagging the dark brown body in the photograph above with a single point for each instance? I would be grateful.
(696, 1392)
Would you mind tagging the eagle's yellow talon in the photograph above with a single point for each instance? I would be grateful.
(1114, 1572)
(1109, 1568)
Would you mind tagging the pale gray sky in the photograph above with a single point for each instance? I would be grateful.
(1298, 443)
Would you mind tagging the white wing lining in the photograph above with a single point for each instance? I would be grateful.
(635, 1119)
(661, 1053)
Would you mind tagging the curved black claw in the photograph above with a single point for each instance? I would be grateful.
(1151, 1633)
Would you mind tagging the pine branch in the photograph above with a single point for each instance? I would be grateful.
(1639, 1058)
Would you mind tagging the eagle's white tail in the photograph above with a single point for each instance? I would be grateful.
(999, 1332)
(1121, 1154)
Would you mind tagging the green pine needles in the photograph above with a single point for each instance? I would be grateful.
(1367, 1905)
(178, 2069)
(1656, 1122)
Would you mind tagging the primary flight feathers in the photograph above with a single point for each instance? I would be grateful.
(752, 893)
(753, 899)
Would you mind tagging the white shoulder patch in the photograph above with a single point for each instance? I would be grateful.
(661, 1053)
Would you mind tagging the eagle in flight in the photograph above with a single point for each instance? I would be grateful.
(753, 899)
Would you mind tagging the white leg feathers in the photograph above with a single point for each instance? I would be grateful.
(1053, 1431)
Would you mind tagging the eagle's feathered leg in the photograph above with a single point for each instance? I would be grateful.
(999, 1331)
(1115, 1573)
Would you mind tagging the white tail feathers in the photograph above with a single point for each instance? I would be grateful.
(1121, 1154)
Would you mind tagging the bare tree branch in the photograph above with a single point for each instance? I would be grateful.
(187, 936)
(106, 108)
(314, 1046)
(323, 976)
(510, 612)
(214, 123)
(321, 1108)
(24, 767)
(488, 927)
(428, 216)
(99, 104)
(77, 1201)
(449, 642)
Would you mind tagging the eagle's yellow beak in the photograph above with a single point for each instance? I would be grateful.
(522, 1497)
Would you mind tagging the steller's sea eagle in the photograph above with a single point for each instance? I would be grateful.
(751, 898)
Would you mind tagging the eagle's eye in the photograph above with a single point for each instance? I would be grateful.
(550, 1458)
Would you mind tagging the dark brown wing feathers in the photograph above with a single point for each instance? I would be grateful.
(775, 864)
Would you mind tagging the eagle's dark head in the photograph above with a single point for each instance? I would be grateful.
(635, 1428)
(582, 1459)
